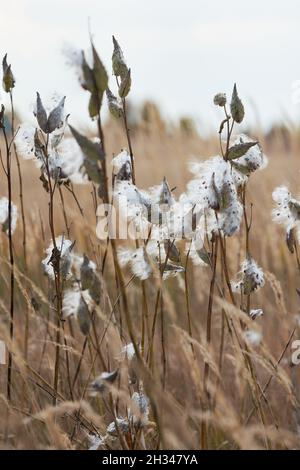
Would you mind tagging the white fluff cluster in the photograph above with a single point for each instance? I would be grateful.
(73, 299)
(138, 261)
(75, 59)
(142, 260)
(253, 337)
(64, 255)
(138, 416)
(128, 351)
(256, 313)
(254, 159)
(154, 212)
(216, 182)
(65, 158)
(211, 203)
(214, 189)
(140, 412)
(287, 212)
(122, 166)
(4, 208)
(250, 278)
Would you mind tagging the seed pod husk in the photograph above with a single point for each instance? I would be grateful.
(236, 107)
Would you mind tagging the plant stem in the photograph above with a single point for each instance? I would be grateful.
(11, 260)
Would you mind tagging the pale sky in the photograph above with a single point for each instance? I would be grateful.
(181, 52)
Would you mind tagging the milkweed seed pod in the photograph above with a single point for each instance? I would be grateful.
(122, 166)
(114, 106)
(120, 68)
(172, 251)
(121, 425)
(83, 317)
(256, 313)
(251, 277)
(102, 382)
(139, 412)
(220, 99)
(63, 156)
(90, 279)
(236, 107)
(55, 120)
(287, 212)
(125, 85)
(8, 80)
(78, 303)
(246, 156)
(171, 270)
(59, 258)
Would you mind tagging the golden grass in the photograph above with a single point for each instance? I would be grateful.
(179, 413)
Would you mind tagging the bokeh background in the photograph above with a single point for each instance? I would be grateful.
(181, 53)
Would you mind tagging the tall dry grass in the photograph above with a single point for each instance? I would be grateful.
(202, 393)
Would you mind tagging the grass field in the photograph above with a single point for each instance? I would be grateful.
(199, 372)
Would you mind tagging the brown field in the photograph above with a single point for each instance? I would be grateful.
(243, 406)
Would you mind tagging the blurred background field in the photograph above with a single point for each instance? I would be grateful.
(162, 149)
(180, 57)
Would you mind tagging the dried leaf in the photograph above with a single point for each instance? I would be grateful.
(239, 150)
(94, 105)
(93, 171)
(92, 150)
(100, 74)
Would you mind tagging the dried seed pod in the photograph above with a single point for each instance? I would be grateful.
(172, 251)
(40, 113)
(90, 280)
(256, 313)
(38, 147)
(125, 85)
(205, 256)
(55, 119)
(83, 317)
(290, 240)
(113, 105)
(239, 150)
(118, 63)
(220, 99)
(8, 78)
(104, 379)
(236, 107)
(171, 270)
(213, 195)
(166, 198)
